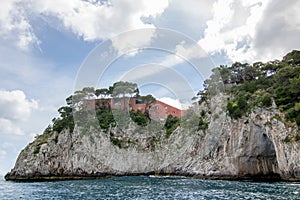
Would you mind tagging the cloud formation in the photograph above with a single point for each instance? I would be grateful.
(243, 30)
(132, 40)
(7, 127)
(253, 30)
(232, 28)
(14, 108)
(90, 20)
(279, 30)
(14, 105)
(15, 26)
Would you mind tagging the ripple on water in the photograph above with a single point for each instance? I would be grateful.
(142, 187)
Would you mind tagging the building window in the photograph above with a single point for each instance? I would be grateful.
(156, 107)
(166, 107)
(139, 101)
(117, 102)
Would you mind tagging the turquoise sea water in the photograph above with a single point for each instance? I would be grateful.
(143, 187)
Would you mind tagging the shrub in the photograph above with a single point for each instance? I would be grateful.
(203, 113)
(287, 139)
(297, 106)
(203, 125)
(116, 141)
(48, 130)
(105, 118)
(278, 117)
(266, 100)
(234, 110)
(139, 118)
(278, 80)
(171, 124)
(65, 120)
(36, 149)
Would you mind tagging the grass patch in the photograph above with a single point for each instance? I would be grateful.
(36, 150)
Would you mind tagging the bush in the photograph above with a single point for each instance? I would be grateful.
(36, 149)
(234, 110)
(48, 130)
(203, 113)
(203, 125)
(65, 120)
(171, 124)
(139, 118)
(266, 100)
(278, 117)
(116, 141)
(105, 118)
(278, 80)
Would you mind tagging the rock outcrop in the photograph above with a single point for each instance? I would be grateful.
(252, 147)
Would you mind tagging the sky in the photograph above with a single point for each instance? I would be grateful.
(50, 48)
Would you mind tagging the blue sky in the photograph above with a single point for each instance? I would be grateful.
(46, 46)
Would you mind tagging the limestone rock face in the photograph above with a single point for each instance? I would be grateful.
(252, 147)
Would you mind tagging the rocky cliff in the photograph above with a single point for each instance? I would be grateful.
(257, 146)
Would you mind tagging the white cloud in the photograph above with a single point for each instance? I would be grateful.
(14, 25)
(192, 7)
(174, 102)
(101, 21)
(278, 31)
(14, 105)
(183, 53)
(91, 20)
(45, 86)
(9, 128)
(187, 17)
(190, 51)
(232, 28)
(132, 40)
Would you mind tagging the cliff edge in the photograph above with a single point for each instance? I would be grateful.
(244, 125)
(252, 147)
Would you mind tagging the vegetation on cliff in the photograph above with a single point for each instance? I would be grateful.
(80, 111)
(261, 85)
(275, 83)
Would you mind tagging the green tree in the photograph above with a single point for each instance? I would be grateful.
(149, 101)
(89, 92)
(292, 58)
(65, 120)
(103, 92)
(124, 89)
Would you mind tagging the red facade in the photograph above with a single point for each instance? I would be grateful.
(158, 110)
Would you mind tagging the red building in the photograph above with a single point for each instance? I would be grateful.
(158, 110)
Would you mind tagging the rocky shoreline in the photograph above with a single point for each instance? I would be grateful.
(37, 177)
(250, 148)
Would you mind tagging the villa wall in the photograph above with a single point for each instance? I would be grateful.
(158, 110)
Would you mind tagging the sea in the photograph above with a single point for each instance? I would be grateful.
(148, 187)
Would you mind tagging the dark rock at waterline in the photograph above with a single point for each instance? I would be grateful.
(251, 147)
